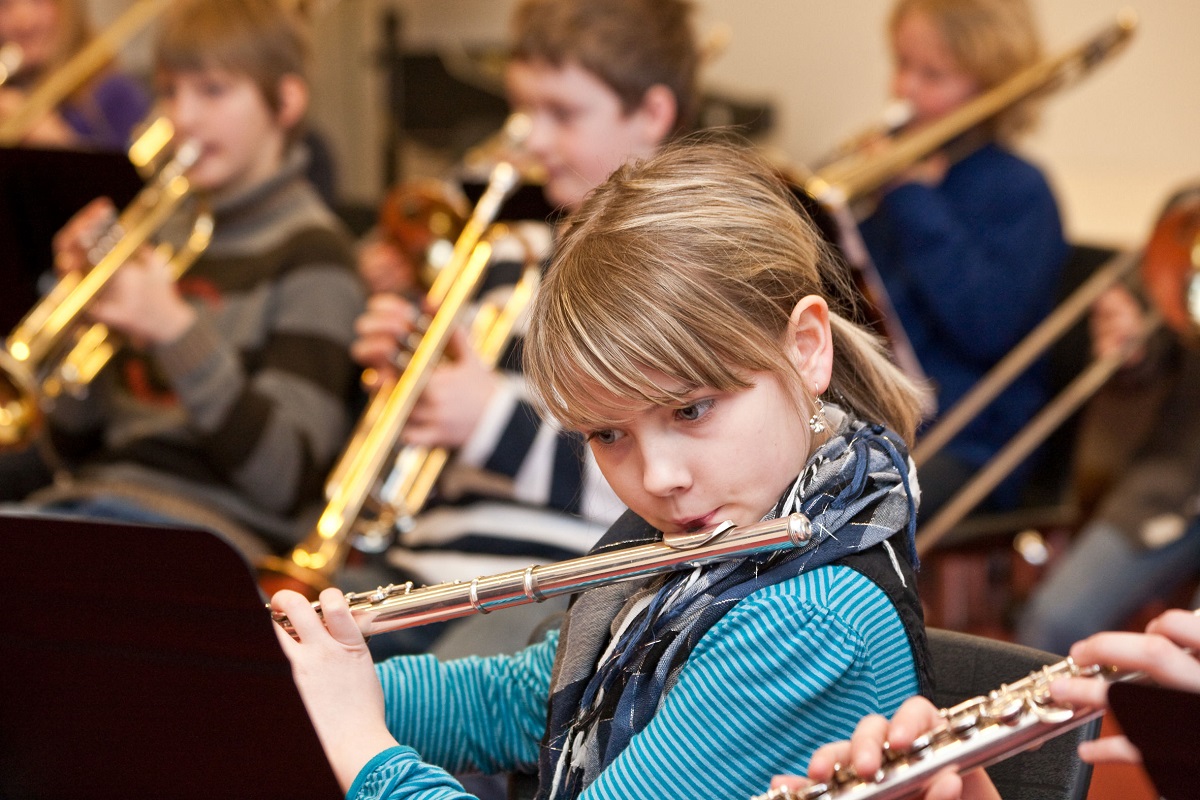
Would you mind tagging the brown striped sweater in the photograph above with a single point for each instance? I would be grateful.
(243, 414)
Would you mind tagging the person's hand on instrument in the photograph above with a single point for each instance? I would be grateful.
(334, 672)
(1166, 652)
(864, 751)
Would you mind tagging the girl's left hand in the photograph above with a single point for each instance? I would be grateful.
(334, 672)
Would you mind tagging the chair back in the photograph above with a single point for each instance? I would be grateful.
(966, 666)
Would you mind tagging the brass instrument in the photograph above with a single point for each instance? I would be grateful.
(57, 86)
(892, 121)
(1170, 269)
(51, 350)
(975, 733)
(860, 173)
(391, 608)
(11, 58)
(841, 186)
(416, 469)
(356, 484)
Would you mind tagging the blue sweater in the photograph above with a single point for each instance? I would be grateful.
(791, 667)
(971, 266)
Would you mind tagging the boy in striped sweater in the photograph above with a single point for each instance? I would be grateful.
(688, 327)
(602, 82)
(229, 401)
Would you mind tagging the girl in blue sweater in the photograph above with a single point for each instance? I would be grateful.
(689, 327)
(970, 248)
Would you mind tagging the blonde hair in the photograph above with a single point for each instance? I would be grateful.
(73, 31)
(690, 264)
(991, 40)
(629, 45)
(261, 39)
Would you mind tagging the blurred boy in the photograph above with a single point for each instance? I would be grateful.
(603, 82)
(229, 404)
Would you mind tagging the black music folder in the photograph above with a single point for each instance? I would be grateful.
(1162, 723)
(39, 191)
(139, 661)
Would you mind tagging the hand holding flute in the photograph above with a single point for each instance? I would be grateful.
(1165, 654)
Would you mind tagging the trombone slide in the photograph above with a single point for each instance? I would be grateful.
(48, 94)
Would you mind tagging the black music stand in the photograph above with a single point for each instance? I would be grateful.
(139, 661)
(1162, 723)
(39, 191)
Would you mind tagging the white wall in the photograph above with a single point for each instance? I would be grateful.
(1114, 146)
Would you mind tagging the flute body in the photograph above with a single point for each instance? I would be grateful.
(975, 733)
(398, 606)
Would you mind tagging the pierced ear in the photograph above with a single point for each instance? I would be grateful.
(293, 101)
(660, 110)
(811, 341)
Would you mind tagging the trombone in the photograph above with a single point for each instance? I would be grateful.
(11, 58)
(837, 186)
(861, 172)
(51, 351)
(1170, 270)
(358, 482)
(49, 93)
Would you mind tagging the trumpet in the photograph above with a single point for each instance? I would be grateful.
(51, 351)
(357, 483)
(391, 608)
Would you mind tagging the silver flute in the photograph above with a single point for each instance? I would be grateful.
(397, 606)
(975, 733)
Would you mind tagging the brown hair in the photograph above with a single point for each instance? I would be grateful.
(72, 33)
(630, 45)
(689, 264)
(991, 40)
(262, 39)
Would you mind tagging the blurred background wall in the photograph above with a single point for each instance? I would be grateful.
(1114, 146)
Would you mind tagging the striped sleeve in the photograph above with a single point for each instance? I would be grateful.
(270, 422)
(473, 714)
(791, 668)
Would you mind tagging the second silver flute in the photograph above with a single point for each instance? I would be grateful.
(393, 607)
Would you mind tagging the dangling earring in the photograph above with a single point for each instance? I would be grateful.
(817, 423)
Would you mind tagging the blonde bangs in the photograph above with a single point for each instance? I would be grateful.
(631, 335)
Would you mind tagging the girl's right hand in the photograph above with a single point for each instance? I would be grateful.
(1167, 652)
(334, 672)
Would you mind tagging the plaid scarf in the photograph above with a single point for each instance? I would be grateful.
(623, 645)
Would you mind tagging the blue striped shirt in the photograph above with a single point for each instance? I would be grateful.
(792, 667)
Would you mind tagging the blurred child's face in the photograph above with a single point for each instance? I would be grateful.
(32, 24)
(925, 72)
(721, 456)
(581, 133)
(242, 142)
